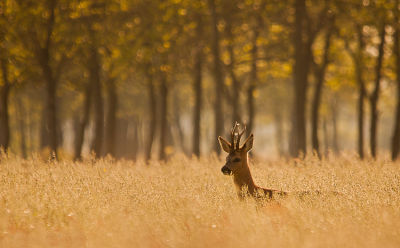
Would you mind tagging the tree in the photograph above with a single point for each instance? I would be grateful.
(152, 107)
(305, 31)
(319, 76)
(111, 119)
(36, 31)
(82, 123)
(163, 114)
(375, 94)
(253, 73)
(396, 52)
(197, 86)
(218, 80)
(4, 86)
(4, 98)
(357, 57)
(97, 99)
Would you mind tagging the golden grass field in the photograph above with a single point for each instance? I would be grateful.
(190, 203)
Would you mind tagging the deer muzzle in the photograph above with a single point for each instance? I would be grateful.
(225, 170)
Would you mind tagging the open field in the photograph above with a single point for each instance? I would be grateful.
(189, 203)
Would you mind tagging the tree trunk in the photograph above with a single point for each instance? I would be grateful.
(250, 92)
(43, 54)
(152, 110)
(302, 52)
(326, 139)
(51, 109)
(44, 130)
(396, 131)
(83, 122)
(134, 140)
(111, 118)
(253, 79)
(375, 95)
(218, 114)
(279, 132)
(250, 108)
(123, 139)
(177, 125)
(31, 130)
(94, 69)
(235, 99)
(320, 74)
(163, 115)
(361, 121)
(21, 116)
(198, 91)
(335, 143)
(357, 58)
(4, 98)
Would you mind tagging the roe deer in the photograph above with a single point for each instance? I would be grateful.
(237, 164)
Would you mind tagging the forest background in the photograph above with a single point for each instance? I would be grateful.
(148, 79)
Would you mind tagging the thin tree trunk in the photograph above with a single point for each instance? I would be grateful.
(357, 58)
(218, 114)
(135, 140)
(163, 115)
(375, 95)
(234, 101)
(362, 93)
(94, 68)
(51, 110)
(20, 116)
(361, 122)
(198, 91)
(302, 50)
(124, 149)
(253, 79)
(250, 108)
(84, 120)
(177, 120)
(30, 131)
(4, 98)
(320, 74)
(335, 143)
(111, 117)
(396, 131)
(152, 110)
(44, 131)
(326, 139)
(279, 132)
(44, 61)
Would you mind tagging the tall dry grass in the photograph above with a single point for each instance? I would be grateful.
(189, 203)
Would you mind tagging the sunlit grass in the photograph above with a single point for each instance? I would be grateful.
(189, 203)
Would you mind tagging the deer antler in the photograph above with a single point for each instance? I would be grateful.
(233, 132)
(240, 135)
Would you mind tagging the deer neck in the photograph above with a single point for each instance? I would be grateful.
(243, 178)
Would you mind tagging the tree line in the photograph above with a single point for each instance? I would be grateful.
(173, 75)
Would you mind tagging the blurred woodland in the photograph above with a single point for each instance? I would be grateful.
(146, 79)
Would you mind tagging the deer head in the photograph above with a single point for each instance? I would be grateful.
(236, 161)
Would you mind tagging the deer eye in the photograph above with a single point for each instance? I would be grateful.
(236, 160)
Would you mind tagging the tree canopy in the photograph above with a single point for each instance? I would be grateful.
(149, 79)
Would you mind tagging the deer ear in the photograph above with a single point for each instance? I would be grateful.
(226, 146)
(248, 144)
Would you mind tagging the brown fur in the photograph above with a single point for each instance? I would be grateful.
(242, 178)
(237, 164)
(241, 171)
